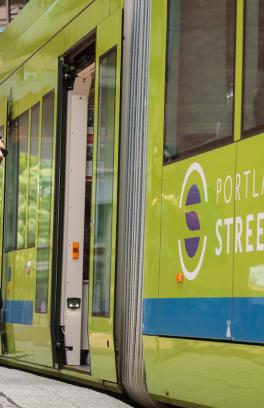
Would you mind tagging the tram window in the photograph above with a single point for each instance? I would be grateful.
(33, 176)
(44, 219)
(46, 170)
(200, 75)
(22, 179)
(11, 190)
(104, 185)
(42, 282)
(253, 109)
(2, 128)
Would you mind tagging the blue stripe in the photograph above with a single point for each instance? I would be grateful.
(248, 324)
(187, 317)
(205, 318)
(18, 312)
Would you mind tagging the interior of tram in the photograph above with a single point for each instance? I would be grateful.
(77, 208)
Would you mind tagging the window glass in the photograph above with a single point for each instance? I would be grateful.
(45, 194)
(42, 282)
(200, 74)
(33, 176)
(104, 186)
(11, 188)
(46, 170)
(254, 66)
(2, 130)
(22, 179)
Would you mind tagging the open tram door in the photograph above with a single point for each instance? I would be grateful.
(90, 202)
(104, 199)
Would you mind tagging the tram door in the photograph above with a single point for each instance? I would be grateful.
(104, 199)
(90, 209)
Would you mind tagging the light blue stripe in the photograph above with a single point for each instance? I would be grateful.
(248, 321)
(206, 318)
(18, 312)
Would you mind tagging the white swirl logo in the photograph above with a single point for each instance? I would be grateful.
(192, 220)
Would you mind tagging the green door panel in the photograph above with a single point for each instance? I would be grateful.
(104, 198)
(29, 338)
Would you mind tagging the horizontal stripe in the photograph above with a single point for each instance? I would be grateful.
(208, 318)
(18, 312)
(248, 323)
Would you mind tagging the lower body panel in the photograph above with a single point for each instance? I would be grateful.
(204, 373)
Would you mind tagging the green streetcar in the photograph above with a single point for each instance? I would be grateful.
(132, 197)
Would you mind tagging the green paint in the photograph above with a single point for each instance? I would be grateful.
(101, 329)
(215, 276)
(192, 373)
(42, 45)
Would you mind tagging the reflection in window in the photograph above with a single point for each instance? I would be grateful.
(11, 188)
(254, 66)
(2, 129)
(33, 176)
(46, 170)
(200, 74)
(104, 186)
(22, 179)
(42, 283)
(45, 194)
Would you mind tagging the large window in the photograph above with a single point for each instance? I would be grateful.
(200, 74)
(33, 176)
(21, 182)
(11, 187)
(45, 194)
(28, 190)
(104, 186)
(253, 117)
(22, 179)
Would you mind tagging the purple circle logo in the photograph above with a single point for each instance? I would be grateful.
(192, 244)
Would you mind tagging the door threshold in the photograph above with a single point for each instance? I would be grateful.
(80, 369)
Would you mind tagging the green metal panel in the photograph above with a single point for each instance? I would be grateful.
(193, 372)
(214, 278)
(27, 86)
(101, 339)
(36, 25)
(211, 374)
(85, 23)
(155, 147)
(114, 5)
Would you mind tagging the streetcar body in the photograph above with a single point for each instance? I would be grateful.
(132, 223)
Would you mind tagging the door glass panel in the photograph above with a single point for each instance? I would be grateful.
(22, 180)
(2, 133)
(33, 176)
(44, 218)
(104, 185)
(46, 170)
(11, 188)
(254, 66)
(42, 282)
